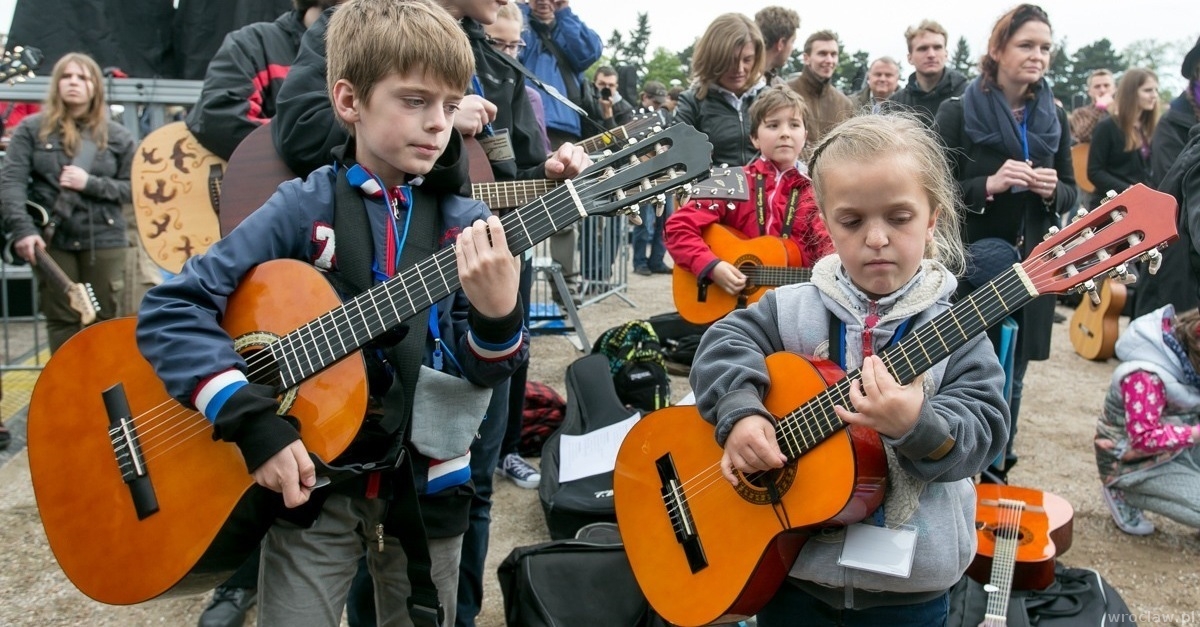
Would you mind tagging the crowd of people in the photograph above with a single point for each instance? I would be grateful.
(883, 194)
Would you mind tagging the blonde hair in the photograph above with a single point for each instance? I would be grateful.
(368, 40)
(926, 26)
(867, 137)
(1129, 113)
(772, 99)
(512, 12)
(56, 116)
(715, 50)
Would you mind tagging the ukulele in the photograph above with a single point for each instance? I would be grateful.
(80, 296)
(176, 185)
(1096, 324)
(1021, 531)
(130, 481)
(704, 551)
(765, 261)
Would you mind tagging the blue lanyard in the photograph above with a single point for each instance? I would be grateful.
(438, 353)
(1025, 132)
(399, 237)
(478, 87)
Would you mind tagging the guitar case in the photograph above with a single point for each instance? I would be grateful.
(592, 404)
(1079, 597)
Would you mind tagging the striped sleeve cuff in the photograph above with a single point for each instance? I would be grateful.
(488, 351)
(448, 473)
(211, 394)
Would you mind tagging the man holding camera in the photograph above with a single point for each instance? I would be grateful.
(610, 107)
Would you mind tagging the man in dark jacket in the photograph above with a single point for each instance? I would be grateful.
(778, 26)
(245, 75)
(932, 83)
(1176, 281)
(1183, 113)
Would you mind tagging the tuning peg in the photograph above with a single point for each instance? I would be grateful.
(1110, 195)
(1122, 275)
(1089, 286)
(1079, 215)
(660, 203)
(1051, 232)
(1153, 259)
(634, 218)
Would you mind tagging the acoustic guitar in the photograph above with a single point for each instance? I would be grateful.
(80, 296)
(1020, 531)
(1095, 326)
(138, 500)
(764, 260)
(255, 170)
(176, 195)
(704, 551)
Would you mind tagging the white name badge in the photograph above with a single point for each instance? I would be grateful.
(498, 147)
(879, 549)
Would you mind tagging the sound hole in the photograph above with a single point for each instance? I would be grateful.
(262, 366)
(760, 488)
(996, 533)
(746, 264)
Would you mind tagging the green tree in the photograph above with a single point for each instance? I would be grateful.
(685, 60)
(1150, 54)
(1060, 74)
(851, 68)
(962, 60)
(631, 50)
(664, 66)
(1094, 56)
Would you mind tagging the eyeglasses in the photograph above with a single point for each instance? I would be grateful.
(507, 47)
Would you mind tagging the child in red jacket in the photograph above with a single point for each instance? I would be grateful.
(788, 210)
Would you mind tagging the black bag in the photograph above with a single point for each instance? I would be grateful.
(679, 338)
(592, 404)
(583, 581)
(1079, 597)
(638, 365)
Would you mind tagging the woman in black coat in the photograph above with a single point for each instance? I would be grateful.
(1119, 155)
(1011, 153)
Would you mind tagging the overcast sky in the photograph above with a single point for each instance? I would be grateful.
(877, 26)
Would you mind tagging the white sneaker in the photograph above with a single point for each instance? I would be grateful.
(1127, 517)
(521, 472)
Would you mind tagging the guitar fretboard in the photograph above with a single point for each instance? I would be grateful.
(814, 421)
(776, 276)
(1004, 560)
(509, 194)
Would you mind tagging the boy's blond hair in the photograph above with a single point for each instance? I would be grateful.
(368, 40)
(771, 99)
(868, 137)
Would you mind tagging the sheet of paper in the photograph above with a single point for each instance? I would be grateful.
(592, 453)
(879, 549)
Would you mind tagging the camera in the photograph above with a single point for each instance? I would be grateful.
(605, 93)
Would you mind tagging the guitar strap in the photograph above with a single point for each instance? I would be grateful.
(352, 232)
(760, 205)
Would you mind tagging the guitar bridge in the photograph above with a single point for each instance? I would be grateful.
(127, 449)
(680, 513)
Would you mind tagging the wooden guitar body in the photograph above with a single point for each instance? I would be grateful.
(255, 171)
(208, 518)
(176, 195)
(706, 303)
(1079, 160)
(746, 550)
(1045, 533)
(1094, 328)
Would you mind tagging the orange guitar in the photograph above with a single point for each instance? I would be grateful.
(1021, 531)
(764, 260)
(704, 551)
(1095, 326)
(137, 499)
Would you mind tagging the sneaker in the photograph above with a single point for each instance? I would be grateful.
(642, 270)
(661, 270)
(1128, 518)
(521, 472)
(228, 607)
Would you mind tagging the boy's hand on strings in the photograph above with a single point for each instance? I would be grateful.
(880, 402)
(728, 277)
(486, 267)
(751, 447)
(474, 113)
(289, 472)
(566, 162)
(1012, 174)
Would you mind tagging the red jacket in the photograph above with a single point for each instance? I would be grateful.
(682, 232)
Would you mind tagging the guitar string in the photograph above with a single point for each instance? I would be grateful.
(1037, 268)
(536, 225)
(1010, 520)
(150, 432)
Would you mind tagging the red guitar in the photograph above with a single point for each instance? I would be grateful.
(138, 500)
(1021, 531)
(704, 551)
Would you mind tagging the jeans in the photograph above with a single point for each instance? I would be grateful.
(793, 607)
(649, 236)
(485, 454)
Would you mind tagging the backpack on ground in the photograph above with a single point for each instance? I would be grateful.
(543, 413)
(679, 338)
(592, 404)
(637, 364)
(1079, 597)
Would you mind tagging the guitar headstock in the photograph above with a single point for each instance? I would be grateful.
(82, 298)
(665, 160)
(644, 123)
(723, 184)
(1133, 224)
(19, 63)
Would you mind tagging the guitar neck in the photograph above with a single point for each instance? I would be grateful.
(319, 343)
(509, 194)
(61, 281)
(604, 141)
(1004, 562)
(775, 276)
(813, 422)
